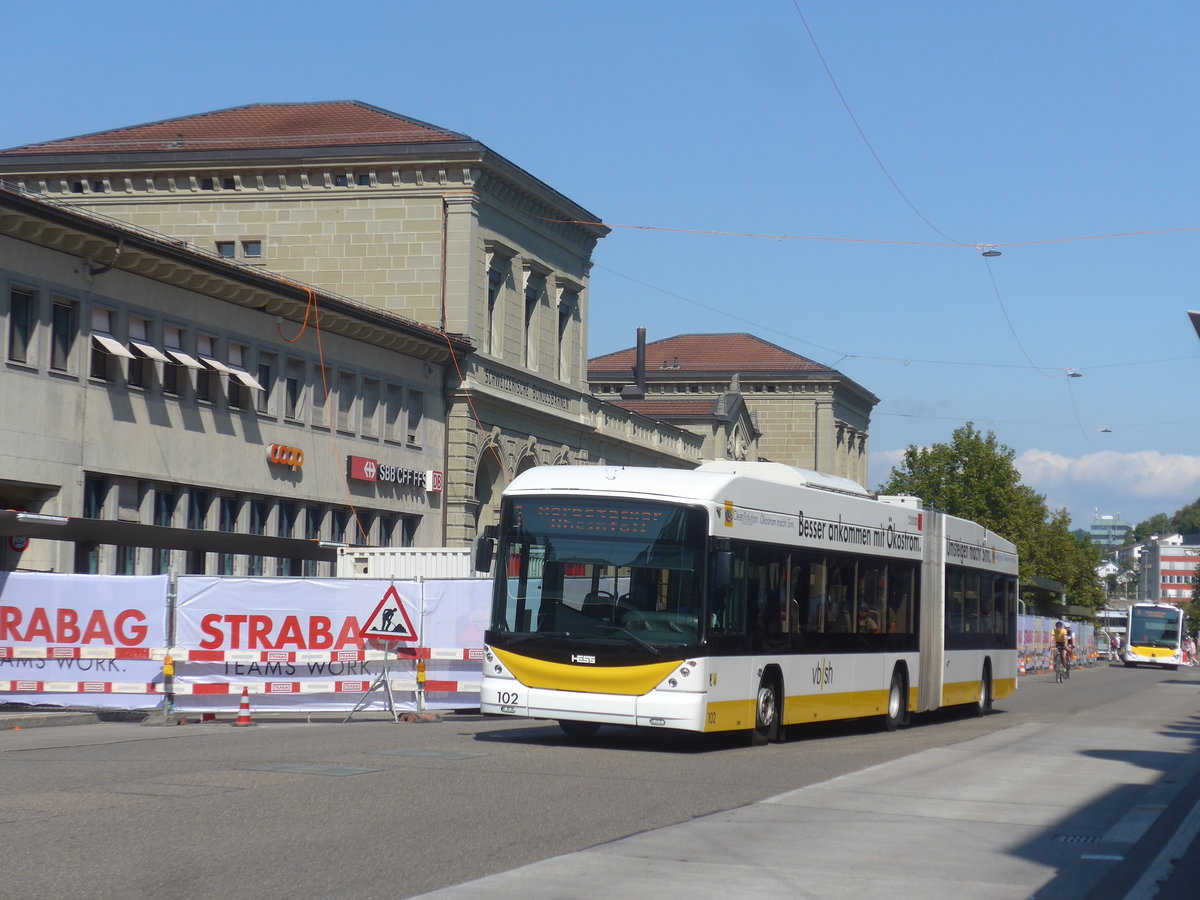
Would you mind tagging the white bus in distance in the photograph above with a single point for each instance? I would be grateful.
(1154, 635)
(738, 596)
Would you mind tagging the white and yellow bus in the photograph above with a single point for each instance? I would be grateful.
(738, 596)
(1154, 635)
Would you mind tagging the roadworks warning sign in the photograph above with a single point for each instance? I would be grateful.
(390, 621)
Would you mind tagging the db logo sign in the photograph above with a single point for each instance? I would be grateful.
(433, 482)
(283, 455)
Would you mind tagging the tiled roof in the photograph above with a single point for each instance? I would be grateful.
(726, 353)
(657, 409)
(339, 123)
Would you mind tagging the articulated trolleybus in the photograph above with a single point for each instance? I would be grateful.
(739, 596)
(1154, 635)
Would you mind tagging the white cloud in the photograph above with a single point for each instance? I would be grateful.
(1134, 485)
(1143, 473)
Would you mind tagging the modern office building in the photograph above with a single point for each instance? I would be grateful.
(1109, 532)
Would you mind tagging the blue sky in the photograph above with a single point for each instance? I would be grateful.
(1042, 128)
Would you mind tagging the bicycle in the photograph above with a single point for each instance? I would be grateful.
(1061, 670)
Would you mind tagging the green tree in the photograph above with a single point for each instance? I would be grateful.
(1156, 524)
(973, 477)
(1187, 520)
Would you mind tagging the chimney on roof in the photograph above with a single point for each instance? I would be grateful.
(637, 390)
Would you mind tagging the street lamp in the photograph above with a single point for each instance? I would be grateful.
(1195, 317)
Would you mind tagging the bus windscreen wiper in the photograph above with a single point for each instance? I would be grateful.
(637, 640)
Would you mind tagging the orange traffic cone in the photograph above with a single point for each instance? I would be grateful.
(243, 718)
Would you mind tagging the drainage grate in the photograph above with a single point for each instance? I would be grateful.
(302, 769)
(1076, 838)
(431, 754)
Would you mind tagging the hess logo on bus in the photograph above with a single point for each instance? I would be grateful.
(583, 658)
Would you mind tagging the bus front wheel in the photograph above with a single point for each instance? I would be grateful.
(766, 712)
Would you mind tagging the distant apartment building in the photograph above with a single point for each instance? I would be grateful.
(1168, 567)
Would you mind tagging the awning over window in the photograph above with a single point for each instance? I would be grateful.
(216, 365)
(148, 350)
(183, 359)
(110, 344)
(245, 378)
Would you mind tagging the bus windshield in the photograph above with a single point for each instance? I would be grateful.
(1154, 627)
(594, 568)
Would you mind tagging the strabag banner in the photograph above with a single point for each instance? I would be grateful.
(72, 640)
(319, 644)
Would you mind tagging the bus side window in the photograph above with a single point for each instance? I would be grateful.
(728, 612)
(899, 598)
(871, 591)
(839, 599)
(971, 602)
(818, 590)
(797, 610)
(954, 600)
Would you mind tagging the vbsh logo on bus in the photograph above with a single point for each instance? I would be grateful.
(822, 674)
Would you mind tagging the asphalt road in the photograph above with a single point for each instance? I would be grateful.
(373, 809)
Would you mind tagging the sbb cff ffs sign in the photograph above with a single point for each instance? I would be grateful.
(362, 468)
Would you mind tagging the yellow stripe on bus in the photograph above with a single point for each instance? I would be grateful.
(625, 680)
(960, 692)
(729, 715)
(826, 707)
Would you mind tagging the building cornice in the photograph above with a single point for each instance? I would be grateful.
(105, 246)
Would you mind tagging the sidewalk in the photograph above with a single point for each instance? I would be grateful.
(1074, 809)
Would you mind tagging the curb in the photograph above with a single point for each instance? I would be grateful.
(20, 721)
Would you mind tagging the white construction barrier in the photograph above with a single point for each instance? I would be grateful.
(98, 635)
(295, 644)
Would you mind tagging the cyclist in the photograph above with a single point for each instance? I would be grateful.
(1060, 635)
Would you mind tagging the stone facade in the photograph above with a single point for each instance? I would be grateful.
(102, 420)
(808, 415)
(405, 217)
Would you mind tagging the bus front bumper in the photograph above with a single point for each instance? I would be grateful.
(657, 709)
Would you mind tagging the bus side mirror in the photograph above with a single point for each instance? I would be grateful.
(723, 568)
(485, 546)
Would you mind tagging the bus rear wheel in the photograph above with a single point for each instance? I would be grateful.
(983, 705)
(766, 712)
(894, 717)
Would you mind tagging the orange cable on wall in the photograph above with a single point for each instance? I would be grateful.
(312, 309)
